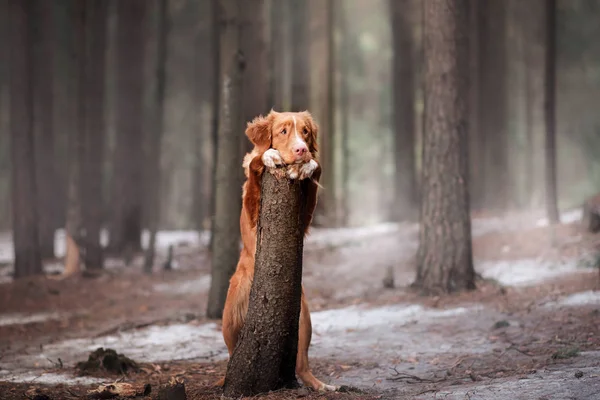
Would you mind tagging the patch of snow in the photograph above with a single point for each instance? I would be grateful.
(546, 383)
(524, 272)
(22, 319)
(199, 285)
(322, 238)
(48, 378)
(387, 333)
(566, 217)
(356, 317)
(590, 297)
(151, 344)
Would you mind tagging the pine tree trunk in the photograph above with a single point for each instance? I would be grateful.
(43, 37)
(403, 95)
(204, 67)
(476, 136)
(228, 174)
(154, 154)
(277, 48)
(24, 197)
(92, 158)
(493, 105)
(216, 109)
(300, 68)
(75, 249)
(345, 52)
(127, 189)
(325, 213)
(550, 113)
(254, 49)
(265, 357)
(444, 259)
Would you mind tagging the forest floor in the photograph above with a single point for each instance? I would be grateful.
(529, 330)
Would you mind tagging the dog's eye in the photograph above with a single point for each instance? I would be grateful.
(283, 132)
(305, 131)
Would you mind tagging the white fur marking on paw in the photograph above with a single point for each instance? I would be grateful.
(292, 172)
(271, 158)
(329, 388)
(307, 170)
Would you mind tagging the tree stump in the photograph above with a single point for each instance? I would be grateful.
(265, 356)
(590, 218)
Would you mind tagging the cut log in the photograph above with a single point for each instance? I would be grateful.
(265, 356)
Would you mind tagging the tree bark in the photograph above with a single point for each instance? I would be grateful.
(127, 191)
(444, 259)
(493, 105)
(228, 174)
(404, 208)
(24, 197)
(550, 113)
(277, 48)
(265, 357)
(92, 206)
(43, 82)
(300, 68)
(216, 109)
(476, 136)
(75, 249)
(154, 154)
(344, 61)
(254, 49)
(325, 214)
(204, 95)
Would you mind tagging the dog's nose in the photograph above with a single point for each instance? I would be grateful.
(300, 149)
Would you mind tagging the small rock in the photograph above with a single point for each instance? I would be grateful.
(578, 374)
(501, 324)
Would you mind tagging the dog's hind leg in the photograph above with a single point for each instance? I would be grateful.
(304, 336)
(234, 313)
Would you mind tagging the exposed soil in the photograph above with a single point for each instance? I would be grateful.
(529, 331)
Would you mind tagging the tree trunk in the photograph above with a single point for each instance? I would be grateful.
(24, 204)
(476, 136)
(277, 48)
(228, 174)
(127, 189)
(265, 357)
(254, 48)
(344, 60)
(216, 109)
(300, 68)
(92, 159)
(550, 113)
(444, 259)
(43, 37)
(493, 100)
(404, 112)
(75, 249)
(325, 214)
(154, 153)
(204, 94)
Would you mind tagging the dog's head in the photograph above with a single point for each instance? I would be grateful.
(294, 135)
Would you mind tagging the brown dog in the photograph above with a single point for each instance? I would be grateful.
(288, 139)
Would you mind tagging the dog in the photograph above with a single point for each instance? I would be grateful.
(280, 139)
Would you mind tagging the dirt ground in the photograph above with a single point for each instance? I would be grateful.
(529, 331)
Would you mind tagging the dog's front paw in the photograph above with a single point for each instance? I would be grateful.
(307, 170)
(271, 158)
(293, 171)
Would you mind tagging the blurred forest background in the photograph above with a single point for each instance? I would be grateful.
(355, 64)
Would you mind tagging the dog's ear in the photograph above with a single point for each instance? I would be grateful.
(313, 128)
(259, 132)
